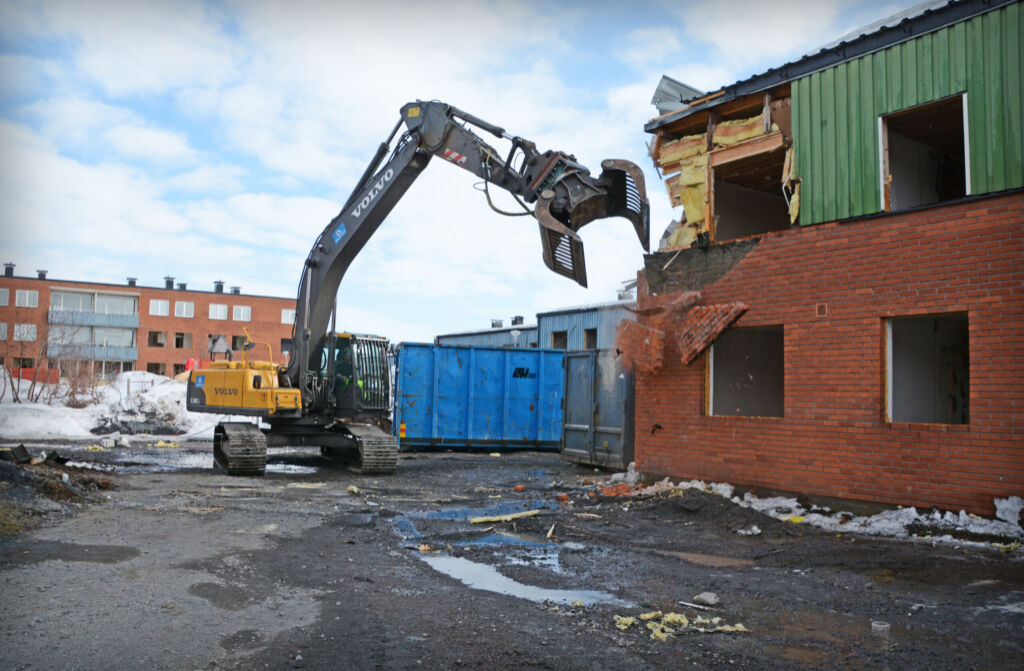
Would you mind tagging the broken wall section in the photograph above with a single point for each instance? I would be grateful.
(732, 180)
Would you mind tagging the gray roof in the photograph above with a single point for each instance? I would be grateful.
(920, 19)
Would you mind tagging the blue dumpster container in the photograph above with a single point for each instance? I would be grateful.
(460, 397)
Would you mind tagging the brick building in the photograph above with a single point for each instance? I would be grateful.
(63, 324)
(840, 309)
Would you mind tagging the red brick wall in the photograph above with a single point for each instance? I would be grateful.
(265, 325)
(833, 439)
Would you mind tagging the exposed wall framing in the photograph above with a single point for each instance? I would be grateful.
(733, 177)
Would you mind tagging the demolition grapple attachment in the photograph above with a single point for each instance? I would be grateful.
(569, 199)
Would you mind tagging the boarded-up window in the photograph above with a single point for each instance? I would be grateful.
(747, 372)
(928, 369)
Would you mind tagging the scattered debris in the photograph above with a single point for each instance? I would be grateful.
(504, 518)
(551, 530)
(352, 489)
(95, 448)
(520, 488)
(562, 497)
(653, 615)
(752, 530)
(879, 628)
(306, 485)
(706, 599)
(693, 605)
(495, 454)
(624, 623)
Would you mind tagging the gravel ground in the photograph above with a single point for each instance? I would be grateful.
(150, 559)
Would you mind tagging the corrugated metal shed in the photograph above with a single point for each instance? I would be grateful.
(604, 317)
(836, 111)
(500, 337)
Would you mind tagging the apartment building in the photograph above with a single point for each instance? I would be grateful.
(63, 325)
(838, 310)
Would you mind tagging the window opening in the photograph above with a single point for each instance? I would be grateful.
(159, 308)
(69, 301)
(179, 368)
(158, 339)
(747, 196)
(928, 369)
(590, 339)
(25, 333)
(923, 158)
(559, 339)
(156, 368)
(183, 341)
(26, 298)
(747, 372)
(237, 342)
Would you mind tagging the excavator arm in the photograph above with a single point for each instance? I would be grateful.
(565, 197)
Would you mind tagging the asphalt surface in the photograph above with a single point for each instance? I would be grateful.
(154, 560)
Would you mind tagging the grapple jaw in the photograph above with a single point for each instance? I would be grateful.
(571, 199)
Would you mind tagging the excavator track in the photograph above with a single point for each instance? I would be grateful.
(378, 451)
(240, 448)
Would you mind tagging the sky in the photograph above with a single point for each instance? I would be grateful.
(215, 140)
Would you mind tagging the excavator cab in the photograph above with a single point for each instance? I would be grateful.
(360, 382)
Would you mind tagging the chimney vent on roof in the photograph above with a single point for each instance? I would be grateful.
(8, 269)
(168, 282)
(236, 290)
(182, 286)
(517, 320)
(496, 323)
(41, 274)
(218, 287)
(132, 281)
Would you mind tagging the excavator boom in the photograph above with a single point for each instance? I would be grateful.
(335, 386)
(565, 195)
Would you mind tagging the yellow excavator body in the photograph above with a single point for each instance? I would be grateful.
(244, 387)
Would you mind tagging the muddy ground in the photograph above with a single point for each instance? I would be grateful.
(162, 563)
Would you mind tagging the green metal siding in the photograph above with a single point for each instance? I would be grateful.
(836, 111)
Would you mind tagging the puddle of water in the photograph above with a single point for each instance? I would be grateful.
(493, 510)
(502, 538)
(290, 468)
(406, 529)
(487, 578)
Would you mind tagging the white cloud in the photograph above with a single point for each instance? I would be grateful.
(648, 45)
(152, 144)
(209, 178)
(143, 47)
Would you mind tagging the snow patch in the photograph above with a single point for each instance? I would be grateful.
(140, 398)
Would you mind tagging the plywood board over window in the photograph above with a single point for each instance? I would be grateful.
(746, 373)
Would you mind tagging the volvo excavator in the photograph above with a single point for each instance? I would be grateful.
(335, 387)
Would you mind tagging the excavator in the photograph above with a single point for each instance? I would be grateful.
(335, 388)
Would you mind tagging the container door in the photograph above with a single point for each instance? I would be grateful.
(613, 431)
(578, 430)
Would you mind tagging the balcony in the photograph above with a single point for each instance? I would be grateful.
(93, 319)
(94, 352)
